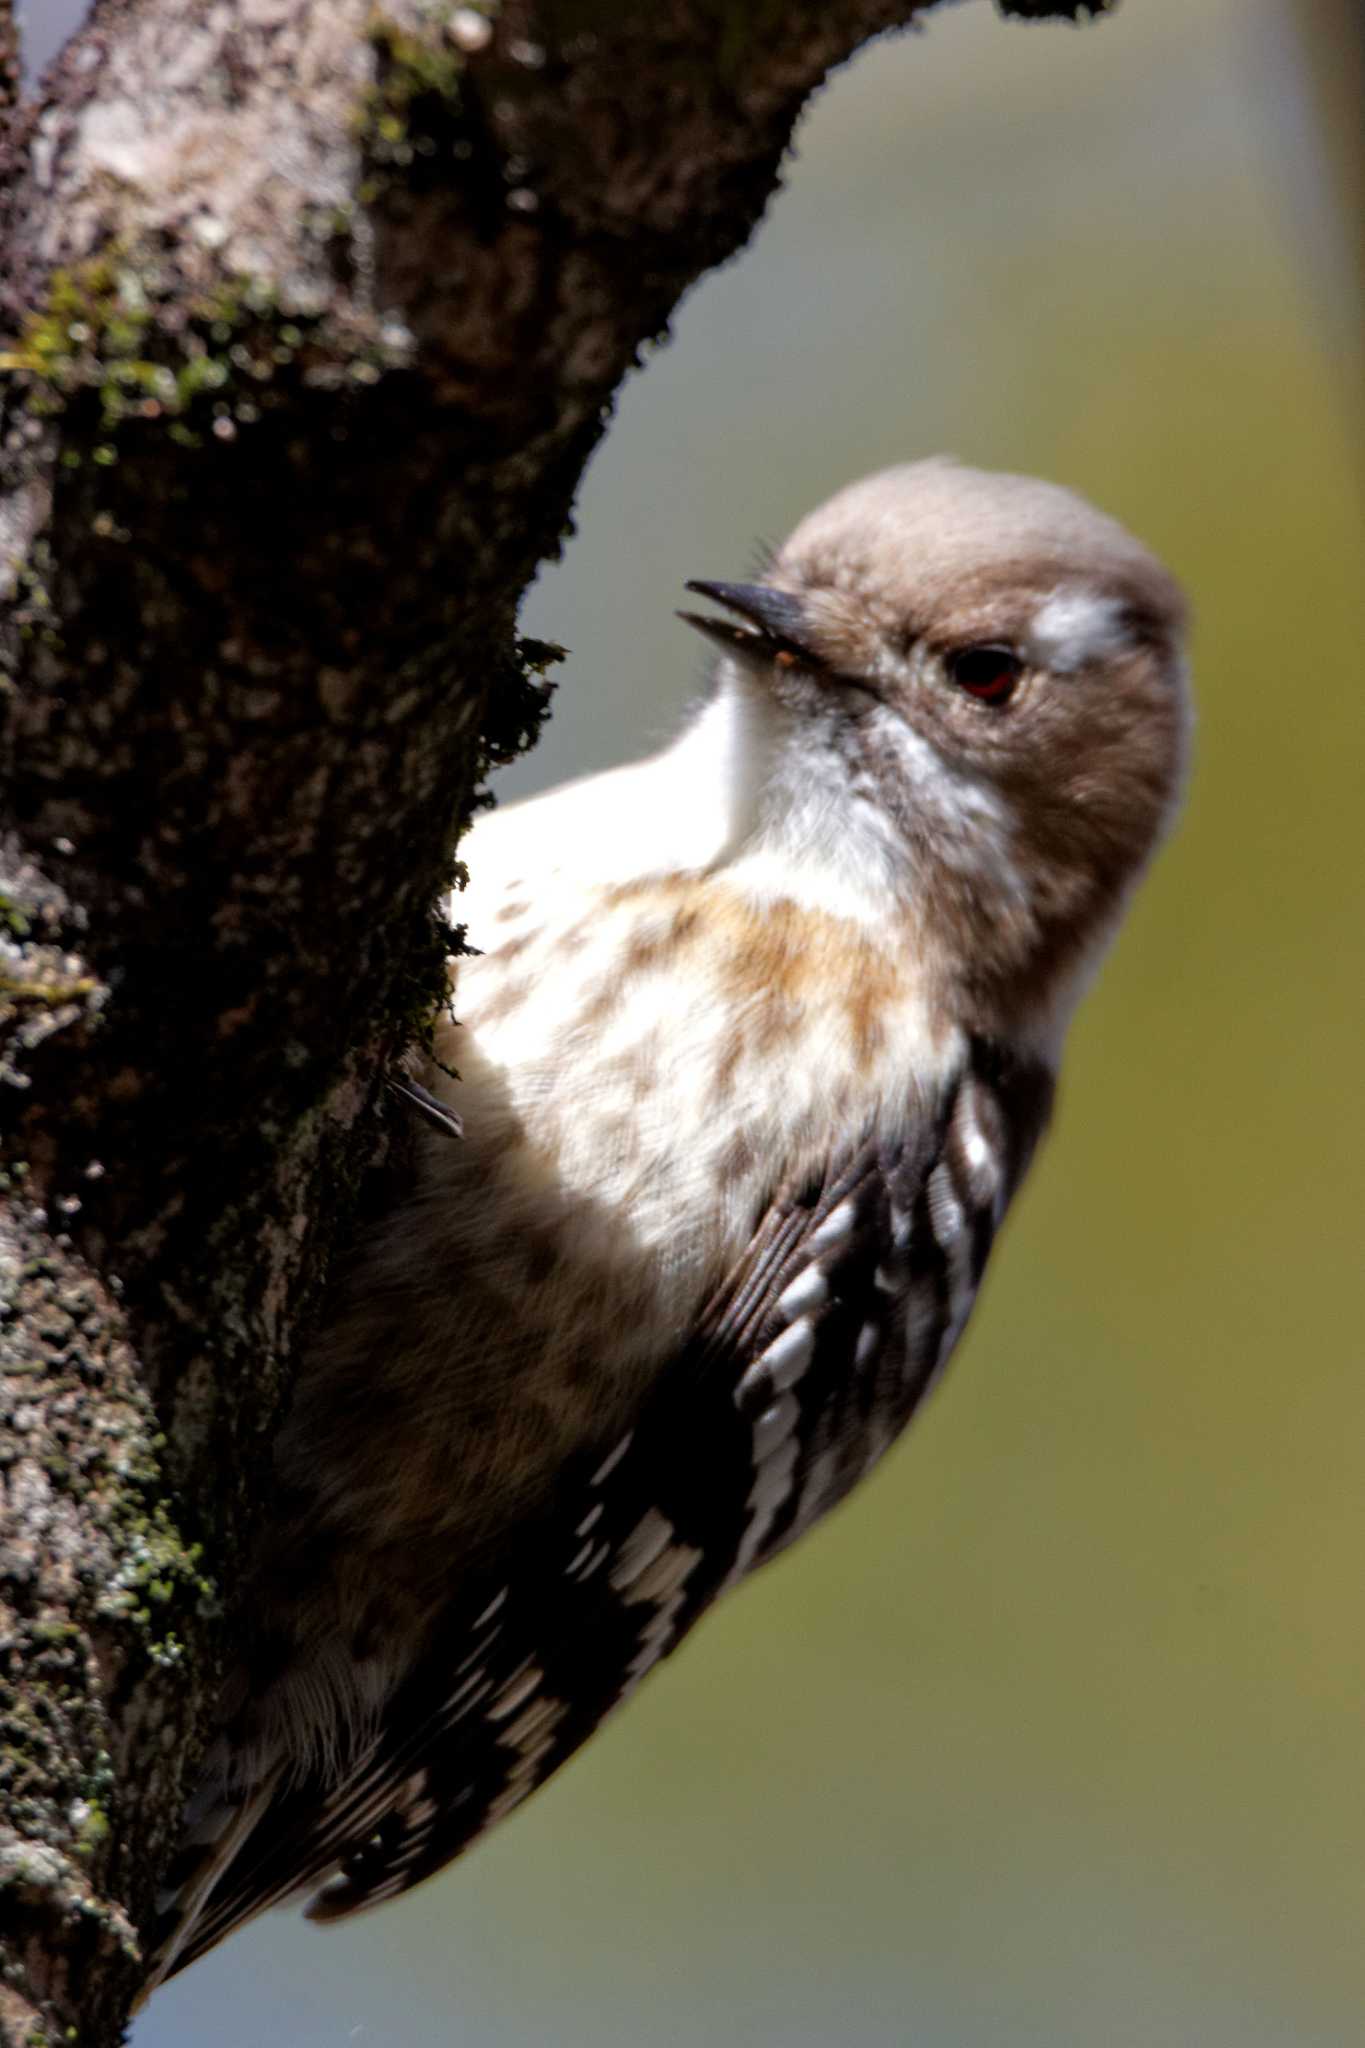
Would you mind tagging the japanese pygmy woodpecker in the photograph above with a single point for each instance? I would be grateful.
(757, 1049)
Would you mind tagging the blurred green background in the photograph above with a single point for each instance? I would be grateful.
(1054, 1736)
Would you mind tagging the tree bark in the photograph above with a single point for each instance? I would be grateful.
(313, 316)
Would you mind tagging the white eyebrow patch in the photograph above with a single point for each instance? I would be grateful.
(1072, 627)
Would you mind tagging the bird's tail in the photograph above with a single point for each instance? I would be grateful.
(216, 1826)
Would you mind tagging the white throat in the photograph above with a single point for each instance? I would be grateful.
(745, 787)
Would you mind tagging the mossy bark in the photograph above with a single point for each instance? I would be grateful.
(312, 316)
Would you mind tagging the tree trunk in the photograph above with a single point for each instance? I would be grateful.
(313, 316)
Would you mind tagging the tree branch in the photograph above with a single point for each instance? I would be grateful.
(314, 315)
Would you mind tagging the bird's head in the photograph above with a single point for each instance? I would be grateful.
(973, 685)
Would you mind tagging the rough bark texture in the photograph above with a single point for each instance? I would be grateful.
(313, 315)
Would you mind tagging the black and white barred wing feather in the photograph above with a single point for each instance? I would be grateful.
(804, 1367)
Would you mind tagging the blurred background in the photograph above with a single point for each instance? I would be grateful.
(1054, 1737)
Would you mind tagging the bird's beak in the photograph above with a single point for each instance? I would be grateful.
(775, 628)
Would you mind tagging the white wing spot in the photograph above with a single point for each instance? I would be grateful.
(641, 1547)
(774, 1425)
(869, 1344)
(974, 1147)
(809, 1290)
(491, 1609)
(945, 1210)
(978, 1154)
(838, 1225)
(518, 1688)
(772, 1485)
(669, 1572)
(540, 1716)
(530, 1738)
(783, 1362)
(665, 1582)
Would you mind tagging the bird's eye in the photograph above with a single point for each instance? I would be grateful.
(990, 674)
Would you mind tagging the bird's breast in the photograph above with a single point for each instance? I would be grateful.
(642, 1073)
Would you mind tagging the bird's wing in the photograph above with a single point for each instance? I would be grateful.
(803, 1367)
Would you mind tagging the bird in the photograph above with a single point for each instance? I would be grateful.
(761, 1039)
